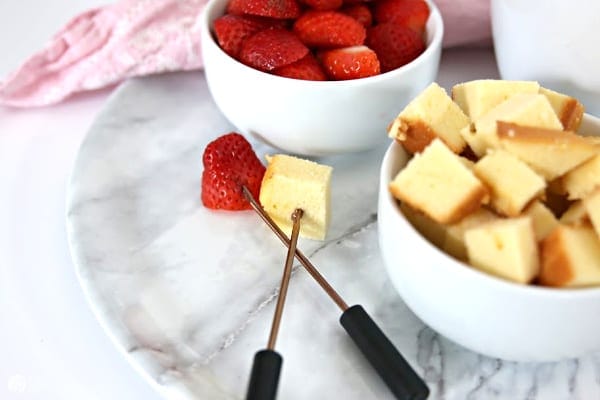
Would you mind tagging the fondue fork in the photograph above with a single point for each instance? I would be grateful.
(393, 369)
(266, 367)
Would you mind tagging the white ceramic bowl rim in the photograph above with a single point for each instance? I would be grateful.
(469, 272)
(435, 24)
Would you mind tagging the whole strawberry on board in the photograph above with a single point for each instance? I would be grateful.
(230, 163)
(319, 39)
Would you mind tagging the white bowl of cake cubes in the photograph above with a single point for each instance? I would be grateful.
(489, 218)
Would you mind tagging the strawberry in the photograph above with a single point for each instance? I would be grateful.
(232, 30)
(329, 29)
(350, 62)
(359, 12)
(323, 4)
(307, 68)
(394, 44)
(272, 48)
(409, 13)
(265, 8)
(230, 163)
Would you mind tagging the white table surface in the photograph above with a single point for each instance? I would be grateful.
(51, 347)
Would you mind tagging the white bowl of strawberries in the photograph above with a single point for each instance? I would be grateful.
(318, 77)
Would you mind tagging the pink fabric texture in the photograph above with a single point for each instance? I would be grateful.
(466, 22)
(106, 45)
(103, 46)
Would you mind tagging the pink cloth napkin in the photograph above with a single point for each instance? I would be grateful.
(103, 46)
(466, 22)
(106, 45)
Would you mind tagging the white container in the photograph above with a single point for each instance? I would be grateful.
(555, 42)
(314, 118)
(483, 313)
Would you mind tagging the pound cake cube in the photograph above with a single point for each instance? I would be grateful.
(592, 206)
(568, 109)
(427, 227)
(583, 179)
(506, 248)
(454, 240)
(522, 109)
(576, 214)
(544, 221)
(593, 139)
(477, 97)
(512, 183)
(432, 114)
(570, 256)
(550, 152)
(290, 183)
(437, 183)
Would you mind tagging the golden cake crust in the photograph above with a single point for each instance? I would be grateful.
(438, 183)
(415, 135)
(571, 115)
(471, 202)
(556, 267)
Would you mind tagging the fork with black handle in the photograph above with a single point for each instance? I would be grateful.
(394, 370)
(266, 367)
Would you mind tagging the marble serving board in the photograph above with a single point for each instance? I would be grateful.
(187, 294)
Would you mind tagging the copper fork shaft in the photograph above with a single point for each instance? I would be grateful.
(299, 255)
(285, 279)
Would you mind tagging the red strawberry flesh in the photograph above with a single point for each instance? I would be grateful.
(359, 12)
(412, 14)
(230, 163)
(281, 37)
(394, 44)
(232, 30)
(323, 4)
(350, 63)
(271, 49)
(328, 29)
(265, 8)
(307, 68)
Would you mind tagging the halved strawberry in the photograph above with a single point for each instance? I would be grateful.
(230, 163)
(394, 44)
(323, 4)
(409, 13)
(325, 29)
(272, 48)
(350, 62)
(359, 12)
(307, 68)
(232, 30)
(265, 8)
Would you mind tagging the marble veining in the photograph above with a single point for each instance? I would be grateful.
(188, 294)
